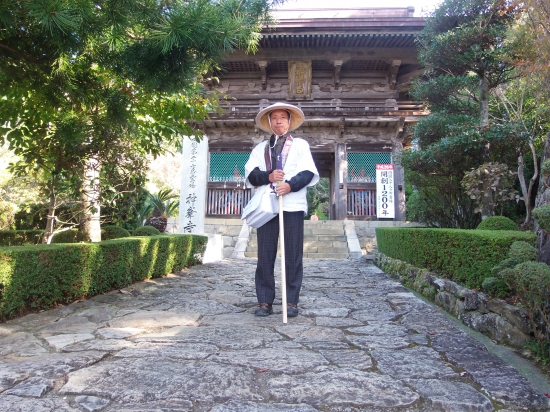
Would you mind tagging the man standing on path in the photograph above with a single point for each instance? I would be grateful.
(285, 163)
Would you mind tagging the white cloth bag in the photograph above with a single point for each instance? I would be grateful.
(263, 207)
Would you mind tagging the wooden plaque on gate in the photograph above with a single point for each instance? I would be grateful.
(299, 79)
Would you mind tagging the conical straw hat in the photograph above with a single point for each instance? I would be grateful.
(296, 116)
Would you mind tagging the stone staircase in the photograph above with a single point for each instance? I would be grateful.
(322, 239)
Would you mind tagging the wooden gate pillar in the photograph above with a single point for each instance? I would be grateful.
(340, 186)
(399, 172)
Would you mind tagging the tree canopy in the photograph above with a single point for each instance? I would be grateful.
(105, 82)
(469, 55)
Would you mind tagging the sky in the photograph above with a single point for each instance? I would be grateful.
(329, 4)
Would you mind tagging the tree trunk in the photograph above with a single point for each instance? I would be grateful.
(527, 192)
(48, 232)
(543, 198)
(484, 101)
(89, 222)
(487, 205)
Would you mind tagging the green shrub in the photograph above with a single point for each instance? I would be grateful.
(34, 216)
(545, 167)
(509, 263)
(38, 277)
(31, 217)
(69, 236)
(464, 256)
(523, 251)
(497, 223)
(533, 278)
(495, 287)
(542, 215)
(20, 237)
(7, 215)
(113, 232)
(146, 231)
(531, 283)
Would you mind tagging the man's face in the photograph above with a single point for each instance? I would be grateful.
(279, 122)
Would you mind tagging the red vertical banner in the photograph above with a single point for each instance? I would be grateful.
(385, 207)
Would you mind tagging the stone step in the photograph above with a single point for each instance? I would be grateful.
(312, 238)
(327, 238)
(322, 236)
(323, 223)
(343, 251)
(322, 249)
(307, 255)
(317, 244)
(324, 239)
(326, 255)
(312, 243)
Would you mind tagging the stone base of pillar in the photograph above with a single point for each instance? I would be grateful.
(214, 249)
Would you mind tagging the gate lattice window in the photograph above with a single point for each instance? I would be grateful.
(227, 195)
(362, 166)
(227, 167)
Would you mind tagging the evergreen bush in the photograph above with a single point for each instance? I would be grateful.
(113, 232)
(39, 277)
(20, 237)
(509, 263)
(31, 216)
(69, 236)
(542, 215)
(523, 251)
(496, 287)
(531, 283)
(7, 214)
(497, 223)
(146, 231)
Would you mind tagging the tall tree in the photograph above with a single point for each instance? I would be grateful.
(517, 103)
(463, 47)
(82, 80)
(533, 33)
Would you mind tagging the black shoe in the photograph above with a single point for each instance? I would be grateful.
(264, 309)
(291, 310)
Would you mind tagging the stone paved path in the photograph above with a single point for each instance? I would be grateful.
(190, 342)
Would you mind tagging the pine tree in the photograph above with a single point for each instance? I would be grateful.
(85, 82)
(464, 49)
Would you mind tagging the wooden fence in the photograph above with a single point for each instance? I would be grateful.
(226, 202)
(361, 203)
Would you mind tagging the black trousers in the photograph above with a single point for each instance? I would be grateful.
(268, 241)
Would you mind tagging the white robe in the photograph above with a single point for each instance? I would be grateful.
(299, 159)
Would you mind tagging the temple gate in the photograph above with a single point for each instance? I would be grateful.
(349, 70)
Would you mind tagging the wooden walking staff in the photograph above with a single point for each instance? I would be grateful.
(282, 245)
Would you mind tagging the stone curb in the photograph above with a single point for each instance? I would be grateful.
(494, 318)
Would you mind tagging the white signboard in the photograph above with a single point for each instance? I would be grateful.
(385, 207)
(193, 185)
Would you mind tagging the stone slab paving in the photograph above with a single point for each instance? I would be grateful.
(189, 342)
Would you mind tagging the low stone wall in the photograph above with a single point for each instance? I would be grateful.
(366, 232)
(228, 228)
(494, 318)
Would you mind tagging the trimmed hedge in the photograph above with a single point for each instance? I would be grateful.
(464, 256)
(20, 237)
(39, 277)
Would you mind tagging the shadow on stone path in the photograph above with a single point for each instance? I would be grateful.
(190, 342)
